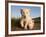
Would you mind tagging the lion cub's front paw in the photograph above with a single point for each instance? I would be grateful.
(22, 25)
(25, 27)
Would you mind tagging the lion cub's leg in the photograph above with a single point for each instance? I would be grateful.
(25, 27)
(22, 21)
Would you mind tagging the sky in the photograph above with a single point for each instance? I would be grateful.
(16, 11)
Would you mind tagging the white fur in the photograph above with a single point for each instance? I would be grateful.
(27, 19)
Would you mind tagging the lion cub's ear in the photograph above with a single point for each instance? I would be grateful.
(21, 11)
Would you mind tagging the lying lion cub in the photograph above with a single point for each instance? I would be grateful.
(26, 19)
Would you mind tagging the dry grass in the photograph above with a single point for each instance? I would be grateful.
(16, 24)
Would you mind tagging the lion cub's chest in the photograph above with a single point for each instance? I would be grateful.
(27, 20)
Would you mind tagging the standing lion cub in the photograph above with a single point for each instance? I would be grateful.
(26, 19)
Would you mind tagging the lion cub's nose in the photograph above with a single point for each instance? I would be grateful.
(24, 16)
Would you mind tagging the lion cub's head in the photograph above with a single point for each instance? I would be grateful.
(25, 12)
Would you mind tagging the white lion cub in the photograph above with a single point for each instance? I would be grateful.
(26, 19)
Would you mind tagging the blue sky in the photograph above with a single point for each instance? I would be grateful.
(15, 11)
